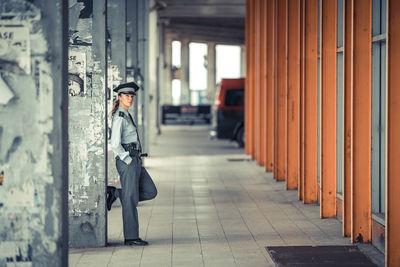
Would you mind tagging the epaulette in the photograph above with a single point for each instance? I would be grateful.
(121, 114)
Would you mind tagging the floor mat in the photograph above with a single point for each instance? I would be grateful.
(326, 256)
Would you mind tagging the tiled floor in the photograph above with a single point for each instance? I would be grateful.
(215, 207)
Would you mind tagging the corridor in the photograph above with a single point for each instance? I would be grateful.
(215, 207)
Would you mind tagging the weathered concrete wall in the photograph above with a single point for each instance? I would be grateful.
(116, 26)
(153, 47)
(137, 63)
(33, 136)
(87, 123)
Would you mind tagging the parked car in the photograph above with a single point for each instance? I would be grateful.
(228, 112)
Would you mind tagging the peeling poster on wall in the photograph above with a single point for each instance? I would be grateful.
(5, 93)
(14, 49)
(76, 73)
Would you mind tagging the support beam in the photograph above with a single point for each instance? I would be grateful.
(348, 119)
(203, 11)
(87, 130)
(328, 108)
(211, 67)
(116, 72)
(263, 82)
(361, 183)
(34, 133)
(166, 92)
(293, 81)
(310, 186)
(393, 141)
(270, 84)
(257, 81)
(247, 82)
(116, 20)
(185, 92)
(302, 100)
(249, 95)
(280, 172)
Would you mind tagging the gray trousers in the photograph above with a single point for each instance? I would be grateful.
(137, 185)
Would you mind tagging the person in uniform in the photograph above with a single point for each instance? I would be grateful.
(136, 183)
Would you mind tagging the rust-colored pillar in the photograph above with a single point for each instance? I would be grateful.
(348, 119)
(263, 81)
(281, 93)
(393, 145)
(257, 81)
(293, 87)
(270, 84)
(249, 95)
(310, 187)
(302, 99)
(247, 82)
(328, 108)
(361, 184)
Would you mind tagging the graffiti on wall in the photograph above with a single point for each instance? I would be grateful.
(17, 253)
(29, 225)
(14, 49)
(76, 73)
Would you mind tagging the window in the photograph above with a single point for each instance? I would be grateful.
(340, 99)
(234, 98)
(198, 66)
(227, 62)
(378, 107)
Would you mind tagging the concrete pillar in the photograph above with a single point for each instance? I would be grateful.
(33, 133)
(137, 63)
(211, 73)
(166, 92)
(87, 124)
(132, 46)
(185, 91)
(151, 67)
(116, 27)
(143, 120)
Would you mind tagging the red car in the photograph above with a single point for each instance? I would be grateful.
(228, 113)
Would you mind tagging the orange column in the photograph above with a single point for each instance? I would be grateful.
(310, 186)
(270, 84)
(247, 83)
(393, 141)
(361, 184)
(293, 87)
(257, 81)
(328, 108)
(348, 119)
(302, 102)
(263, 81)
(281, 93)
(249, 95)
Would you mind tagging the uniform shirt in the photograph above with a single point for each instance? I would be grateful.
(123, 131)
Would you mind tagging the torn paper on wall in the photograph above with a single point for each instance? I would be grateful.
(15, 49)
(76, 73)
(5, 93)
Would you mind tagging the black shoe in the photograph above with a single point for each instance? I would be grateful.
(135, 242)
(111, 196)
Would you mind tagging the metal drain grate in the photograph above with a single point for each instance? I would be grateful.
(235, 160)
(327, 256)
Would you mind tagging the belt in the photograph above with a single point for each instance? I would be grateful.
(131, 147)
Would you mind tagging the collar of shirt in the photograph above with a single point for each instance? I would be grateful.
(123, 110)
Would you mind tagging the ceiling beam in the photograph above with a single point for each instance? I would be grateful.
(203, 2)
(201, 11)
